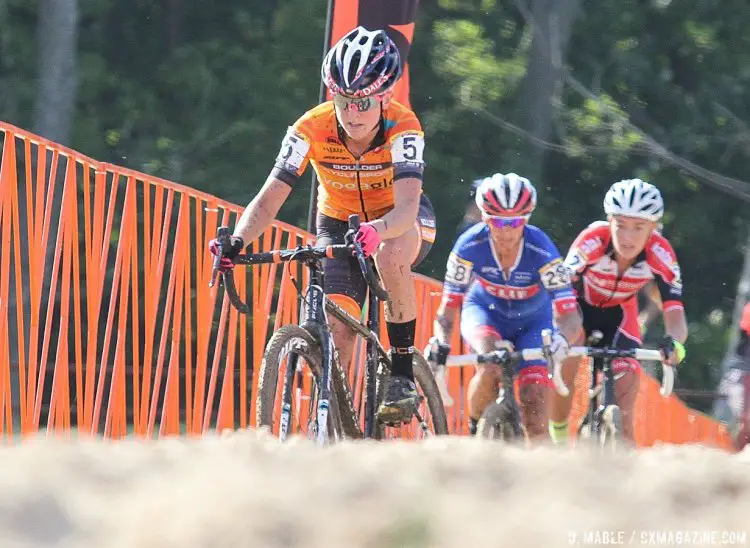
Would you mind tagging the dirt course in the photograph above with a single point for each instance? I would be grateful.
(245, 490)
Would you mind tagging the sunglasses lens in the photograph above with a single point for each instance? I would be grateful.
(506, 222)
(354, 104)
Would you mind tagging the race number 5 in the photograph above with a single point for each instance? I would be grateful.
(408, 148)
(293, 151)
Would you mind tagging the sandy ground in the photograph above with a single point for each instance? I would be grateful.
(246, 490)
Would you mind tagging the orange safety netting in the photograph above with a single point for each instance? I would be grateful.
(108, 326)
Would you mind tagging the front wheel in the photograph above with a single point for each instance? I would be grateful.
(497, 423)
(610, 434)
(287, 344)
(427, 385)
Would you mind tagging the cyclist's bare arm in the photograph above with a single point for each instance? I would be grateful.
(653, 306)
(570, 325)
(445, 319)
(406, 194)
(262, 210)
(675, 324)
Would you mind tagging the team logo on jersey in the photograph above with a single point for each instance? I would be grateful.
(360, 167)
(509, 292)
(611, 283)
(589, 245)
(664, 255)
(495, 271)
(669, 261)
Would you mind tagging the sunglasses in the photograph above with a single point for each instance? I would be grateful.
(505, 222)
(356, 104)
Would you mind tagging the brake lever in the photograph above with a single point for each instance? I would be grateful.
(364, 265)
(557, 380)
(223, 238)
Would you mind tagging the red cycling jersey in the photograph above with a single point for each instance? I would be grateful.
(592, 261)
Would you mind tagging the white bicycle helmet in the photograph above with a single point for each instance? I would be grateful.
(634, 198)
(506, 195)
(361, 64)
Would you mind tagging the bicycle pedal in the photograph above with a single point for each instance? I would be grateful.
(394, 424)
(396, 416)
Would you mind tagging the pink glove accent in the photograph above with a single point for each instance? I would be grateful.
(369, 238)
(225, 263)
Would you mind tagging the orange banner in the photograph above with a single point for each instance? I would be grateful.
(395, 16)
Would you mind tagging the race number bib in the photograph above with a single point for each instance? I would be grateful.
(458, 271)
(574, 261)
(293, 151)
(408, 148)
(555, 275)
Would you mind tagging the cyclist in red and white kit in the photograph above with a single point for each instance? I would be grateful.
(610, 261)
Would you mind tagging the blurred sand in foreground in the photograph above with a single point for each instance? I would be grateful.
(247, 490)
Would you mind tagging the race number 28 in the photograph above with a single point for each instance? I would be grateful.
(458, 271)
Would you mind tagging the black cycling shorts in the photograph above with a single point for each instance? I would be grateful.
(616, 325)
(342, 276)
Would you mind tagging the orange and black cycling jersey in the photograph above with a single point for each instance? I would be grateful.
(348, 184)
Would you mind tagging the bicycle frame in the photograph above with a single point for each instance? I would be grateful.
(595, 411)
(316, 322)
(507, 360)
(602, 361)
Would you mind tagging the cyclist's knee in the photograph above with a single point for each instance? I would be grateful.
(533, 397)
(347, 303)
(627, 374)
(534, 403)
(485, 338)
(569, 371)
(486, 375)
(397, 254)
(533, 385)
(625, 366)
(341, 332)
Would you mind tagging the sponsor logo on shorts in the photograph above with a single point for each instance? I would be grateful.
(428, 234)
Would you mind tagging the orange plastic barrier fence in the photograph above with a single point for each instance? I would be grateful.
(108, 327)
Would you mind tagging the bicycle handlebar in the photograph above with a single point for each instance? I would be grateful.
(529, 354)
(302, 254)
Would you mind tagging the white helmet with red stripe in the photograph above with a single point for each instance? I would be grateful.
(506, 195)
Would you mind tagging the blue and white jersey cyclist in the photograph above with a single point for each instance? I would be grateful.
(508, 280)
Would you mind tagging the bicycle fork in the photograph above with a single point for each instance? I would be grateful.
(286, 405)
(609, 401)
(317, 314)
(371, 371)
(315, 321)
